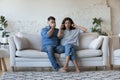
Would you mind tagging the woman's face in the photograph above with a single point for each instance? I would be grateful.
(67, 24)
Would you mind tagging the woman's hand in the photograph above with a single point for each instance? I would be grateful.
(75, 26)
(61, 27)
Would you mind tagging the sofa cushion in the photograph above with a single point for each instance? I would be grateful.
(33, 54)
(96, 43)
(116, 53)
(21, 43)
(89, 53)
(34, 40)
(86, 38)
(39, 54)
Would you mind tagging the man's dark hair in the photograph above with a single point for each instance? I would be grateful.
(51, 18)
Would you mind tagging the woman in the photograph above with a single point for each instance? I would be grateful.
(69, 34)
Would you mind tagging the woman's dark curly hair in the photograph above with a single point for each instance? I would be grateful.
(71, 21)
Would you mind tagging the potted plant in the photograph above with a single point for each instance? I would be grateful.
(3, 26)
(97, 26)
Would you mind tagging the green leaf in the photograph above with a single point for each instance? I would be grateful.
(3, 21)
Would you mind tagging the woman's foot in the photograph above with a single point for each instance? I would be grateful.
(78, 70)
(62, 70)
(65, 68)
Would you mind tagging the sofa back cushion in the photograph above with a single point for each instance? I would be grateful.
(96, 43)
(21, 43)
(34, 40)
(86, 38)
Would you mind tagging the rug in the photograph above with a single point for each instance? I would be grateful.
(88, 75)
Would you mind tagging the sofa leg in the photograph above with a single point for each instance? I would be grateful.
(50, 69)
(96, 68)
(104, 68)
(13, 69)
(111, 67)
(119, 68)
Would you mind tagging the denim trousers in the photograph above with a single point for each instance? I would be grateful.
(68, 49)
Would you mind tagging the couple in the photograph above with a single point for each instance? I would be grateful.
(62, 40)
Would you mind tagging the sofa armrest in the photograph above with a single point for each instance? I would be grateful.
(114, 44)
(12, 49)
(105, 49)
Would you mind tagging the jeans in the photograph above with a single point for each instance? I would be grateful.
(51, 50)
(69, 50)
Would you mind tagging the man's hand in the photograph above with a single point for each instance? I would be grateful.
(50, 32)
(53, 25)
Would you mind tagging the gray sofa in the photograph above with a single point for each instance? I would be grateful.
(34, 57)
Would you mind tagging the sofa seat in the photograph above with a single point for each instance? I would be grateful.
(89, 53)
(39, 54)
(33, 54)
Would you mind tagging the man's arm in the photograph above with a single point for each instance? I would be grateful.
(47, 33)
(50, 32)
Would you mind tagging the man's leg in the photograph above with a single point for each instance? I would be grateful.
(50, 51)
(61, 49)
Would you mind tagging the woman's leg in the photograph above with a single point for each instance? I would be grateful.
(65, 67)
(67, 54)
(76, 66)
(73, 57)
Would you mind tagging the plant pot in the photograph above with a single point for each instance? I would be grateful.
(5, 40)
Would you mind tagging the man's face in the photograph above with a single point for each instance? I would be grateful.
(52, 23)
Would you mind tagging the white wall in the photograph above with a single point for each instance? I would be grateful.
(31, 15)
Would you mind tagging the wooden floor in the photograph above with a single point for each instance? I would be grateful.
(7, 60)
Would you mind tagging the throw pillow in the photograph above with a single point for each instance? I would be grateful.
(21, 43)
(96, 43)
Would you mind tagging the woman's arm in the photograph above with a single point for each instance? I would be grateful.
(81, 28)
(60, 33)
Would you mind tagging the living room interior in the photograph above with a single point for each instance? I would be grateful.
(28, 17)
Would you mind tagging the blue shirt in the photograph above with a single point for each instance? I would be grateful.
(53, 40)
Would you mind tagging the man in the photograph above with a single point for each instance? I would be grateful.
(50, 42)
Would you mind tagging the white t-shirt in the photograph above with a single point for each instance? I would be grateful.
(71, 37)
